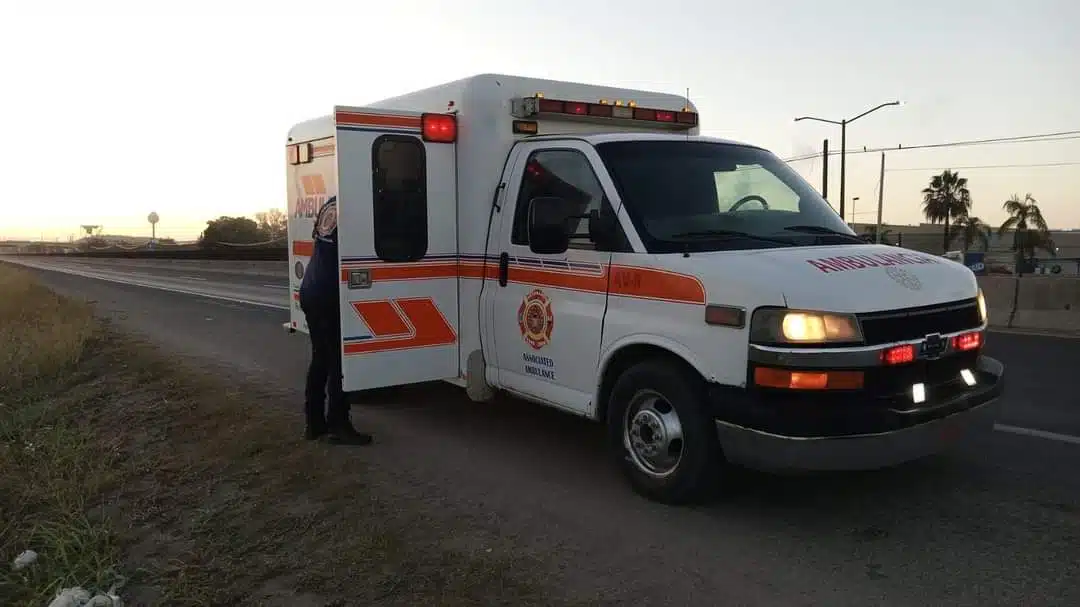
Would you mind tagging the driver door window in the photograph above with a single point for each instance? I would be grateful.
(564, 174)
(749, 184)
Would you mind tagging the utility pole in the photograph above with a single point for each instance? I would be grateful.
(843, 164)
(825, 169)
(880, 199)
(843, 141)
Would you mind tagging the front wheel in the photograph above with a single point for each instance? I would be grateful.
(661, 434)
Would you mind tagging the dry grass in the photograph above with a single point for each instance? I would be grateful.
(40, 332)
(118, 463)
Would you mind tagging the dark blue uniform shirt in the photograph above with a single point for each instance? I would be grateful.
(319, 287)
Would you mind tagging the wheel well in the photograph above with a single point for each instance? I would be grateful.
(625, 358)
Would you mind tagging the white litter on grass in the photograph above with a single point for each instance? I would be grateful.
(24, 560)
(78, 597)
(73, 597)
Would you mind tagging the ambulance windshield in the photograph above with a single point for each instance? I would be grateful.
(705, 196)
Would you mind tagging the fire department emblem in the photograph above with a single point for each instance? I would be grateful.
(535, 319)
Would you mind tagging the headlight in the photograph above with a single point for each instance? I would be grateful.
(778, 325)
(984, 314)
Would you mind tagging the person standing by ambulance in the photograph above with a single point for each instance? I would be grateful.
(320, 302)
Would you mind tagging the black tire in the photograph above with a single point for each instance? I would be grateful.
(696, 474)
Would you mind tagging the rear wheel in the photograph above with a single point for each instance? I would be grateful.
(661, 434)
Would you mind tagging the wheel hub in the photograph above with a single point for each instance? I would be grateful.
(647, 433)
(653, 434)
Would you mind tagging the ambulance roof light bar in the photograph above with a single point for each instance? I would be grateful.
(536, 106)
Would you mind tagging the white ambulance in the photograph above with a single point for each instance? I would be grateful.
(583, 247)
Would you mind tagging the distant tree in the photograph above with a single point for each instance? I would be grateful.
(95, 242)
(274, 224)
(1029, 227)
(947, 197)
(972, 232)
(166, 241)
(231, 230)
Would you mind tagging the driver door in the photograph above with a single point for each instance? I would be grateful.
(549, 315)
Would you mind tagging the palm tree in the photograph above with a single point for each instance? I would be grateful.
(870, 233)
(946, 198)
(973, 231)
(1030, 230)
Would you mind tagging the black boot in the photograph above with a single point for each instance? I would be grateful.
(314, 431)
(314, 421)
(341, 432)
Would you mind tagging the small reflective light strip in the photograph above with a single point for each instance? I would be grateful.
(323, 149)
(725, 316)
(305, 153)
(767, 377)
(345, 118)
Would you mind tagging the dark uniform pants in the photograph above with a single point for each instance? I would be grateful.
(324, 374)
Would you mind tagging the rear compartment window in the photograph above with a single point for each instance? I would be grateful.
(399, 184)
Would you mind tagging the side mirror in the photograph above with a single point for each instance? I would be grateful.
(603, 230)
(548, 232)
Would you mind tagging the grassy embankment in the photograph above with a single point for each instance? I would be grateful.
(119, 464)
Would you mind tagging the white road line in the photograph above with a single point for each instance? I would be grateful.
(276, 286)
(159, 287)
(1032, 333)
(1054, 436)
(193, 278)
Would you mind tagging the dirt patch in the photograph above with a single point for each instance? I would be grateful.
(120, 465)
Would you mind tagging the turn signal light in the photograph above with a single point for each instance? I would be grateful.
(725, 316)
(767, 377)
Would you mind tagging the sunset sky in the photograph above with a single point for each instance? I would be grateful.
(111, 110)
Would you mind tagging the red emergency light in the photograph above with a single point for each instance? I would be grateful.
(439, 128)
(532, 107)
(967, 341)
(898, 355)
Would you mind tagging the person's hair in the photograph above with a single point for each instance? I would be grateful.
(326, 220)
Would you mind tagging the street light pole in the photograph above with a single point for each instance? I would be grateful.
(843, 142)
(843, 164)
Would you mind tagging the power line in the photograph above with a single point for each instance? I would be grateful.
(991, 166)
(1059, 136)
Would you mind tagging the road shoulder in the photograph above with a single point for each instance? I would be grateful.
(125, 466)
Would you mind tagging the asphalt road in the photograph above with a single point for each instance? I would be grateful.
(995, 522)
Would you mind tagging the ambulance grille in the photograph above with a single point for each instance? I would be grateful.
(915, 323)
